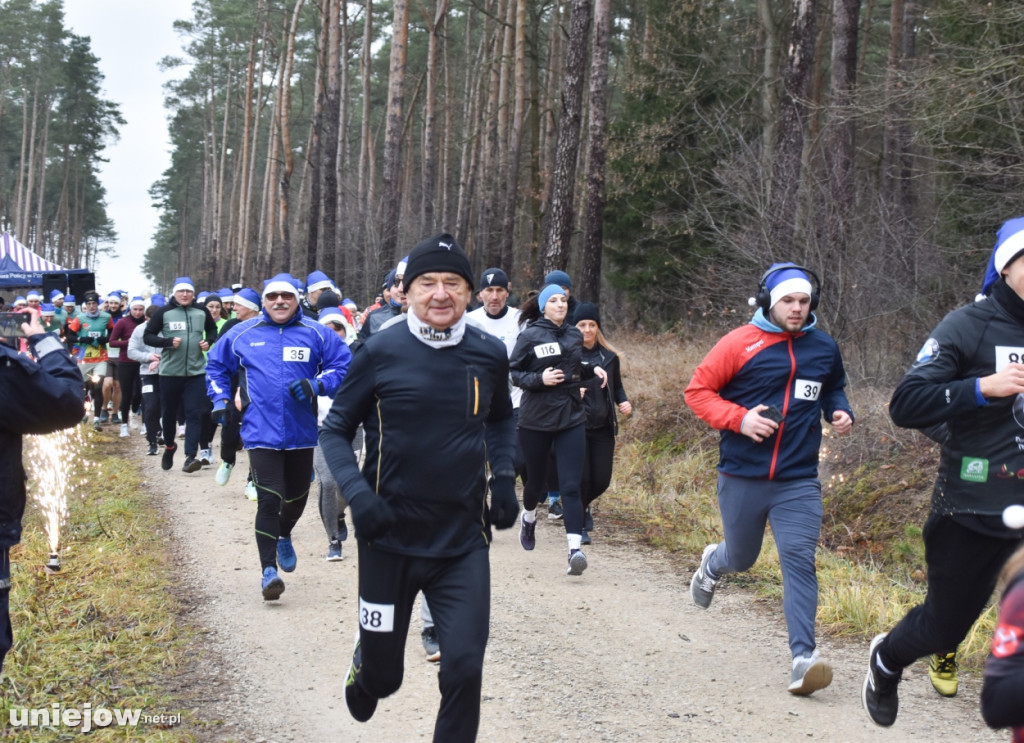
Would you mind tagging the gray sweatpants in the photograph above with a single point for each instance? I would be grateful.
(793, 509)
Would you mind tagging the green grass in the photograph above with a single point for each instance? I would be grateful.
(106, 629)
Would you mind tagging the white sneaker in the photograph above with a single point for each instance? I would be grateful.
(125, 432)
(181, 432)
(250, 490)
(809, 674)
(206, 457)
(142, 430)
(224, 472)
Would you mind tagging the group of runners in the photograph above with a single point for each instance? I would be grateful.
(419, 415)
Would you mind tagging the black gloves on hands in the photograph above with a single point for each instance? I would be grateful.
(504, 502)
(371, 514)
(305, 390)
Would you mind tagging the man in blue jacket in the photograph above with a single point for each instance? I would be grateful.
(284, 361)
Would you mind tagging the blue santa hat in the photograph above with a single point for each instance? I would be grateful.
(183, 283)
(47, 309)
(248, 298)
(1009, 247)
(56, 293)
(282, 282)
(137, 302)
(33, 294)
(318, 280)
(226, 295)
(782, 281)
(158, 299)
(69, 299)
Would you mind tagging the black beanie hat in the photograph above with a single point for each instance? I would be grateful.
(438, 253)
(587, 311)
(327, 298)
(493, 277)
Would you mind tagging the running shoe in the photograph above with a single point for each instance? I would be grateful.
(224, 473)
(272, 584)
(702, 585)
(97, 424)
(430, 644)
(104, 416)
(250, 490)
(334, 551)
(809, 674)
(152, 450)
(577, 563)
(585, 537)
(360, 705)
(115, 419)
(168, 459)
(879, 694)
(206, 457)
(181, 432)
(142, 430)
(286, 554)
(125, 432)
(191, 465)
(942, 672)
(555, 510)
(527, 533)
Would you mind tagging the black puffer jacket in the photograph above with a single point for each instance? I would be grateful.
(543, 344)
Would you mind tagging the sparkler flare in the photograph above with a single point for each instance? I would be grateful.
(46, 462)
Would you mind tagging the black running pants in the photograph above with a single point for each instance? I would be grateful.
(282, 480)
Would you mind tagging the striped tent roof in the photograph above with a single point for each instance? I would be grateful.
(24, 257)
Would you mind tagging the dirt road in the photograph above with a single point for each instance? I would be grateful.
(619, 654)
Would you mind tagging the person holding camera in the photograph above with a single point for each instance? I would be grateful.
(765, 386)
(40, 396)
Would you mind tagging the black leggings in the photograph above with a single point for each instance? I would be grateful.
(597, 464)
(963, 566)
(568, 446)
(189, 393)
(150, 385)
(282, 488)
(230, 433)
(128, 378)
(458, 590)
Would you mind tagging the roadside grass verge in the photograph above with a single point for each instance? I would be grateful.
(105, 630)
(876, 486)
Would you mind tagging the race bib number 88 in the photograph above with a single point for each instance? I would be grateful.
(1008, 355)
(296, 353)
(806, 389)
(376, 617)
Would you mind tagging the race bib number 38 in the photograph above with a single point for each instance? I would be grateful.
(806, 389)
(547, 350)
(376, 617)
(296, 353)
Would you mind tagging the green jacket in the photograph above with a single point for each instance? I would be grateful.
(189, 323)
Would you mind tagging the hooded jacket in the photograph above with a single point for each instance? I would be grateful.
(191, 324)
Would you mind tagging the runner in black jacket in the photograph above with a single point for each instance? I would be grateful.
(547, 364)
(432, 395)
(970, 375)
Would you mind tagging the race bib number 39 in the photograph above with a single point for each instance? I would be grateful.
(296, 353)
(805, 389)
(376, 617)
(547, 350)
(1008, 355)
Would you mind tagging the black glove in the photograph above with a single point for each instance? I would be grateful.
(371, 514)
(305, 390)
(504, 503)
(217, 414)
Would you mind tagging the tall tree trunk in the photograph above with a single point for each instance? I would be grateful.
(284, 123)
(786, 170)
(429, 183)
(19, 195)
(327, 249)
(242, 248)
(26, 207)
(769, 82)
(593, 233)
(364, 189)
(392, 198)
(314, 156)
(555, 253)
(508, 222)
(343, 262)
(41, 188)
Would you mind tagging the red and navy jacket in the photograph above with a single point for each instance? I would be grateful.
(760, 364)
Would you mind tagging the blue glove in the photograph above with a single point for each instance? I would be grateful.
(217, 414)
(371, 514)
(504, 503)
(305, 390)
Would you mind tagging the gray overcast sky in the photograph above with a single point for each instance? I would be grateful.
(130, 37)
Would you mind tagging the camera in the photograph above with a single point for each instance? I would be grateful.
(12, 324)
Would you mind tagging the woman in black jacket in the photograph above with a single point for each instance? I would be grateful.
(601, 401)
(547, 364)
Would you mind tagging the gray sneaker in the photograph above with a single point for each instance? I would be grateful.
(809, 674)
(702, 585)
(577, 563)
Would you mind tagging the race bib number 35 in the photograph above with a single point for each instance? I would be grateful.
(376, 617)
(805, 389)
(296, 353)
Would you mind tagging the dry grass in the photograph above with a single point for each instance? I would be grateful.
(104, 630)
(876, 485)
